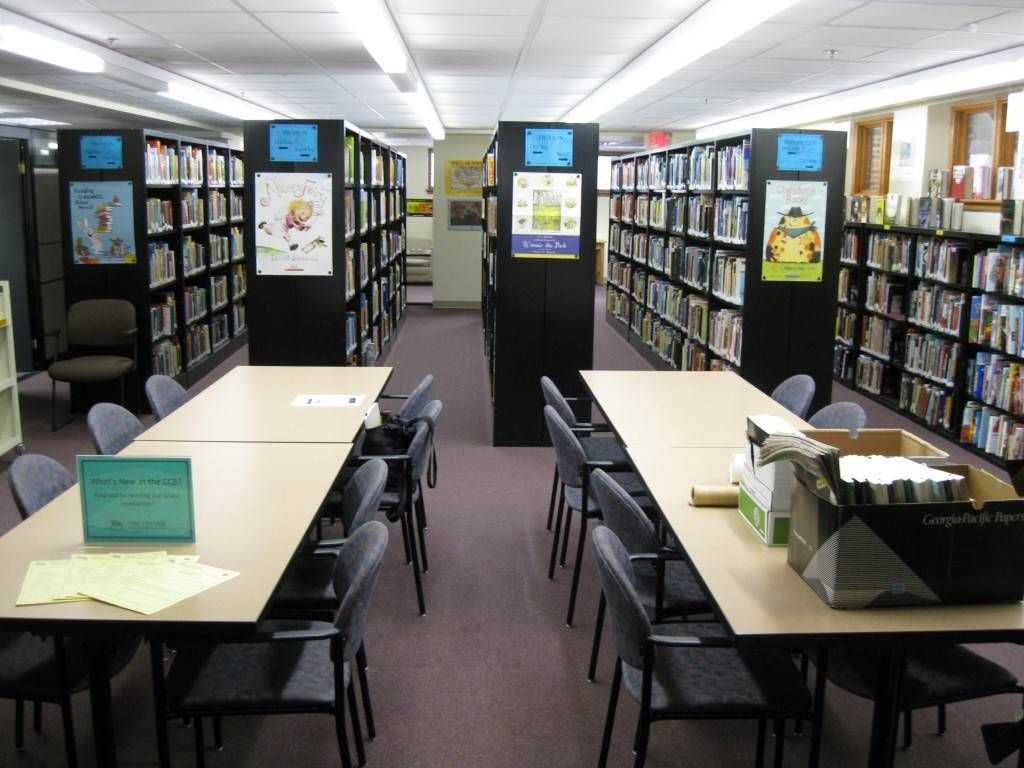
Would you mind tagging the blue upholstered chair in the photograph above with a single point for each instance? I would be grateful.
(795, 393)
(35, 481)
(112, 428)
(165, 395)
(848, 416)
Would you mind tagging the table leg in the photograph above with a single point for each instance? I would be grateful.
(99, 699)
(886, 712)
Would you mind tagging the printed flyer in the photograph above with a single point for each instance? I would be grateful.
(293, 224)
(102, 222)
(546, 215)
(794, 231)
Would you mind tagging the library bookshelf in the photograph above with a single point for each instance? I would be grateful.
(349, 311)
(185, 268)
(10, 412)
(687, 281)
(928, 323)
(537, 302)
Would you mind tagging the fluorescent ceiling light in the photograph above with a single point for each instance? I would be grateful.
(36, 46)
(372, 22)
(217, 101)
(424, 108)
(975, 74)
(53, 145)
(30, 122)
(710, 27)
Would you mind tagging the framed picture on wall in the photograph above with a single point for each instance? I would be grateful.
(465, 214)
(419, 207)
(462, 178)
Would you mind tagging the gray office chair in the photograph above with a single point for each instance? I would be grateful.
(689, 670)
(95, 324)
(165, 395)
(795, 393)
(574, 470)
(596, 448)
(415, 400)
(112, 428)
(664, 580)
(35, 481)
(848, 416)
(283, 667)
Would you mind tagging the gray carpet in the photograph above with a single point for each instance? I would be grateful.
(490, 677)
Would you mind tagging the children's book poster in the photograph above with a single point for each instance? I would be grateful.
(102, 222)
(546, 215)
(794, 231)
(293, 224)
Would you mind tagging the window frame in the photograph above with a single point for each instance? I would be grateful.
(1003, 144)
(862, 158)
(430, 170)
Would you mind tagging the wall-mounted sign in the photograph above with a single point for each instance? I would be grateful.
(129, 499)
(101, 153)
(546, 215)
(548, 146)
(800, 152)
(294, 143)
(794, 230)
(293, 224)
(102, 222)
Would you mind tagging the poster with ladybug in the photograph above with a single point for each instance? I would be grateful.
(794, 231)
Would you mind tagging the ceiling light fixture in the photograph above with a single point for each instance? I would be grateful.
(372, 22)
(41, 48)
(710, 27)
(424, 108)
(216, 101)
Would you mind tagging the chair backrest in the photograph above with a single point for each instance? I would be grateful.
(431, 413)
(419, 450)
(623, 515)
(418, 398)
(355, 577)
(569, 456)
(361, 498)
(112, 428)
(101, 323)
(795, 393)
(165, 395)
(630, 625)
(554, 398)
(35, 481)
(844, 415)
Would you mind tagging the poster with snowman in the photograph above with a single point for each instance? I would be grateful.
(794, 231)
(102, 222)
(293, 224)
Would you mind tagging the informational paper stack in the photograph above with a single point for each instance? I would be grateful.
(145, 582)
(765, 489)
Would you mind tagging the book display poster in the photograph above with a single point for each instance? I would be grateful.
(462, 178)
(293, 224)
(102, 222)
(794, 231)
(546, 215)
(548, 146)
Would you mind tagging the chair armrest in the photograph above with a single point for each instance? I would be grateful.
(672, 641)
(362, 458)
(386, 396)
(277, 631)
(664, 555)
(578, 399)
(330, 544)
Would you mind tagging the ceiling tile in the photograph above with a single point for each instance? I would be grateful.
(917, 15)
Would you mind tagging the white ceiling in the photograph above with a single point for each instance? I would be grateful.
(485, 60)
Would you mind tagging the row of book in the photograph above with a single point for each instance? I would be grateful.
(890, 251)
(489, 169)
(161, 264)
(163, 316)
(191, 165)
(900, 211)
(218, 292)
(220, 250)
(219, 333)
(930, 402)
(238, 317)
(876, 335)
(731, 218)
(931, 356)
(197, 343)
(193, 256)
(937, 308)
(196, 303)
(729, 276)
(869, 374)
(846, 325)
(651, 173)
(617, 304)
(992, 431)
(846, 286)
(700, 211)
(842, 363)
(995, 380)
(166, 357)
(239, 283)
(734, 166)
(997, 324)
(193, 209)
(999, 270)
(725, 334)
(941, 259)
(159, 216)
(883, 292)
(218, 207)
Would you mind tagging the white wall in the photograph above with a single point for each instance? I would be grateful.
(456, 258)
(417, 228)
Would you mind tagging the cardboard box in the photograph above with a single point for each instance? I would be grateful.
(866, 556)
(880, 442)
(770, 524)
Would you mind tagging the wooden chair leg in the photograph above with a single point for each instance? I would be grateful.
(595, 648)
(551, 504)
(357, 729)
(364, 687)
(19, 723)
(609, 720)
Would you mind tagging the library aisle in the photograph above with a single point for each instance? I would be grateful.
(490, 677)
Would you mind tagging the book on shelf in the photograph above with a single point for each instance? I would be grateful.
(159, 215)
(161, 263)
(991, 431)
(961, 184)
(191, 165)
(938, 182)
(161, 162)
(1004, 182)
(892, 209)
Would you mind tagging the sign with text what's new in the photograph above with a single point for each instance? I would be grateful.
(127, 499)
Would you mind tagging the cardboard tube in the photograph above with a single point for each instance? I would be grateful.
(714, 496)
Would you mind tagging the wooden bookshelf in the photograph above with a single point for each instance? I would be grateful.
(919, 286)
(350, 313)
(185, 252)
(686, 250)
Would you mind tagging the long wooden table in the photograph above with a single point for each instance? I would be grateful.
(254, 404)
(680, 430)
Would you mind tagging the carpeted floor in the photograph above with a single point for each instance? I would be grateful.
(490, 677)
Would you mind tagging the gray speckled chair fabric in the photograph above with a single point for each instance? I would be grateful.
(595, 448)
(165, 395)
(417, 399)
(795, 393)
(35, 481)
(112, 428)
(686, 682)
(288, 666)
(849, 416)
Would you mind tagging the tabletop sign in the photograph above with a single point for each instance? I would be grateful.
(548, 147)
(129, 499)
(102, 153)
(293, 143)
(800, 152)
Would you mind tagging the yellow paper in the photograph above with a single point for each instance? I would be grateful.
(84, 567)
(44, 582)
(150, 587)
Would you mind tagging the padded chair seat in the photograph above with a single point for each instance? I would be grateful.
(719, 681)
(629, 481)
(91, 368)
(309, 583)
(682, 595)
(932, 675)
(250, 677)
(604, 449)
(27, 664)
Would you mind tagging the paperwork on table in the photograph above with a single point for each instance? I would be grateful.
(328, 401)
(144, 582)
